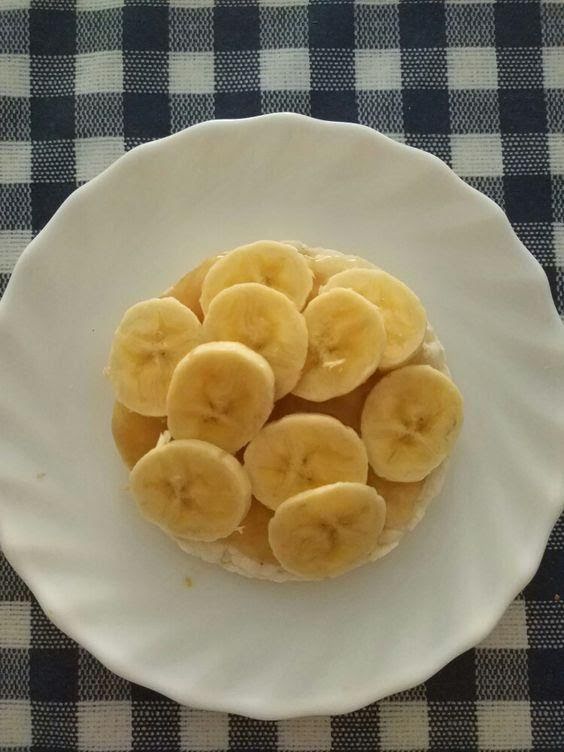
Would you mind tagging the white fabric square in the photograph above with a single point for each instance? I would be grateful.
(553, 67)
(15, 4)
(511, 631)
(472, 67)
(14, 76)
(191, 72)
(95, 154)
(98, 4)
(104, 726)
(15, 162)
(477, 154)
(378, 69)
(190, 3)
(202, 730)
(12, 243)
(99, 72)
(15, 723)
(15, 616)
(404, 725)
(284, 70)
(280, 3)
(304, 734)
(504, 725)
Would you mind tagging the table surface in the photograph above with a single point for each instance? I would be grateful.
(480, 84)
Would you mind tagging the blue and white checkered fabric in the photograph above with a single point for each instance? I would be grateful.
(480, 84)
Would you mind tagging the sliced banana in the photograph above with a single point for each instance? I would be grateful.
(410, 422)
(405, 319)
(300, 452)
(188, 288)
(251, 537)
(134, 434)
(267, 322)
(346, 339)
(191, 489)
(150, 340)
(326, 531)
(347, 408)
(401, 500)
(326, 265)
(276, 265)
(221, 392)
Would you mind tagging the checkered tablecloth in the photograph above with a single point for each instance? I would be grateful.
(480, 84)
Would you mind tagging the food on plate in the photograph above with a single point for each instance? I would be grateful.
(285, 412)
(230, 392)
(266, 321)
(300, 452)
(151, 339)
(346, 339)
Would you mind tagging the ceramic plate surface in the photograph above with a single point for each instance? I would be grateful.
(115, 583)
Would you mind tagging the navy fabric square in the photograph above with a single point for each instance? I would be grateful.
(236, 27)
(519, 68)
(155, 725)
(46, 199)
(146, 115)
(245, 733)
(382, 110)
(355, 732)
(331, 26)
(377, 26)
(518, 24)
(470, 24)
(191, 29)
(457, 679)
(15, 200)
(548, 581)
(334, 105)
(474, 111)
(52, 117)
(54, 727)
(14, 38)
(422, 25)
(15, 118)
(52, 32)
(426, 111)
(237, 104)
(452, 726)
(53, 161)
(546, 671)
(522, 111)
(145, 27)
(527, 198)
(53, 674)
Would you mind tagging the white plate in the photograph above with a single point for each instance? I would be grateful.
(115, 583)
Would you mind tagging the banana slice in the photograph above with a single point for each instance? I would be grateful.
(189, 287)
(324, 266)
(347, 408)
(327, 531)
(346, 340)
(251, 537)
(401, 500)
(405, 319)
(267, 322)
(151, 339)
(300, 452)
(221, 392)
(191, 489)
(410, 422)
(267, 262)
(134, 434)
